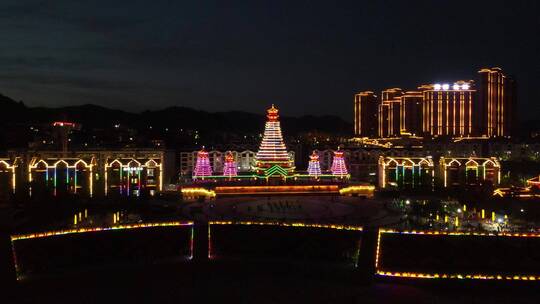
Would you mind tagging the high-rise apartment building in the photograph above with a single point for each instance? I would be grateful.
(448, 109)
(365, 114)
(496, 103)
(411, 113)
(459, 109)
(389, 113)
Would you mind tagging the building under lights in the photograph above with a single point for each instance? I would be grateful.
(272, 159)
(8, 175)
(88, 173)
(471, 171)
(389, 113)
(484, 108)
(365, 114)
(411, 113)
(409, 172)
(272, 165)
(496, 103)
(448, 109)
(406, 172)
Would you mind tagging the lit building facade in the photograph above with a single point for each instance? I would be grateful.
(485, 108)
(133, 176)
(8, 175)
(90, 173)
(448, 109)
(383, 118)
(365, 114)
(389, 112)
(411, 113)
(406, 172)
(62, 175)
(471, 171)
(496, 103)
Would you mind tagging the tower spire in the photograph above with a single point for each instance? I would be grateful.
(272, 151)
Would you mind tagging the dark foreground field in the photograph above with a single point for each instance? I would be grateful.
(251, 264)
(253, 282)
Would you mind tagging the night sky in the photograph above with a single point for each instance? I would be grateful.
(308, 57)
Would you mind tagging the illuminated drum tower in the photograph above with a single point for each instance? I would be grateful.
(272, 158)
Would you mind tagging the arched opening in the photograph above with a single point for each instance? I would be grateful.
(392, 172)
(151, 177)
(491, 171)
(471, 172)
(133, 174)
(407, 173)
(425, 177)
(81, 182)
(40, 175)
(115, 177)
(61, 178)
(6, 179)
(452, 173)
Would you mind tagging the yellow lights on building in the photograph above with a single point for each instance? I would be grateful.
(129, 176)
(365, 114)
(448, 110)
(82, 174)
(534, 182)
(74, 173)
(400, 171)
(389, 111)
(518, 192)
(411, 113)
(359, 190)
(529, 192)
(197, 192)
(497, 98)
(459, 109)
(9, 167)
(469, 171)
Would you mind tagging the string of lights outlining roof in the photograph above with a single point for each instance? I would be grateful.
(272, 155)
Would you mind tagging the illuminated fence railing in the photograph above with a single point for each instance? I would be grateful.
(235, 190)
(285, 224)
(42, 252)
(457, 255)
(17, 237)
(276, 240)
